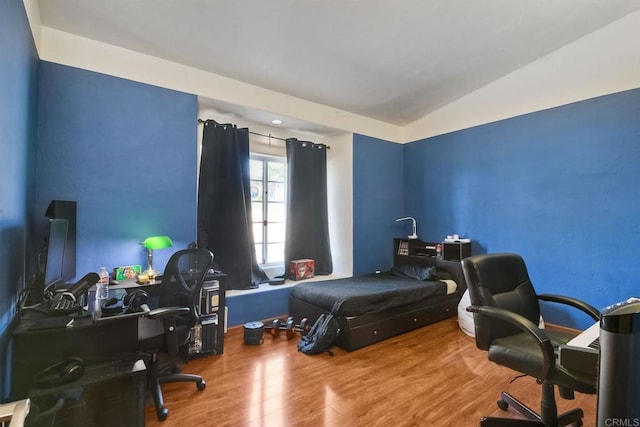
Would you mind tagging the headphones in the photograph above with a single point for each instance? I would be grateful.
(61, 373)
(131, 303)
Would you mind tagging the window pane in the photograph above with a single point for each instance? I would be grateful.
(275, 232)
(259, 254)
(255, 168)
(275, 212)
(256, 191)
(277, 191)
(268, 191)
(275, 252)
(276, 171)
(257, 232)
(256, 212)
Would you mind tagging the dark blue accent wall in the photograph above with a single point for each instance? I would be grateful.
(126, 152)
(378, 199)
(252, 306)
(557, 186)
(18, 113)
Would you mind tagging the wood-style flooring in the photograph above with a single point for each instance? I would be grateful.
(433, 376)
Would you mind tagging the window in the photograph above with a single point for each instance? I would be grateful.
(268, 198)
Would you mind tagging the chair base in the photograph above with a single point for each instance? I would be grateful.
(173, 376)
(532, 418)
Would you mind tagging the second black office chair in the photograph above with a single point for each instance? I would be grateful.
(506, 315)
(164, 333)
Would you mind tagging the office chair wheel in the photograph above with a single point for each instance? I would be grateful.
(162, 413)
(503, 405)
(201, 385)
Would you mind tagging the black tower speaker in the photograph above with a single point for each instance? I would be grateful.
(65, 209)
(618, 373)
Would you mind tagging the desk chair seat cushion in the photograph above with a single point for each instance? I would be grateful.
(151, 336)
(521, 353)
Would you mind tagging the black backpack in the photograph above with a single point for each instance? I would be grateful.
(322, 336)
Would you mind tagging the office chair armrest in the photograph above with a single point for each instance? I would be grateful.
(526, 325)
(168, 316)
(593, 312)
(162, 312)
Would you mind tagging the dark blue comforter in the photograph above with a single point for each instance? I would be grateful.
(367, 294)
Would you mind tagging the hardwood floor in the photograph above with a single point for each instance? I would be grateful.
(433, 376)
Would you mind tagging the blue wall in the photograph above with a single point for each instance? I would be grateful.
(557, 186)
(18, 114)
(378, 200)
(126, 152)
(251, 306)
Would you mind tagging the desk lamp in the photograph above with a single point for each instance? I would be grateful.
(153, 243)
(413, 235)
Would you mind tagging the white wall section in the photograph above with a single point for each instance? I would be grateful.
(74, 51)
(340, 202)
(604, 62)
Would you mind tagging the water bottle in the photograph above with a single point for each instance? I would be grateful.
(102, 287)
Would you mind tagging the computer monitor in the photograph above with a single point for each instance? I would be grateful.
(50, 262)
(55, 252)
(66, 209)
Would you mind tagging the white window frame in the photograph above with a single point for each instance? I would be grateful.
(261, 258)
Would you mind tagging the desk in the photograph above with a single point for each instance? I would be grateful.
(94, 342)
(110, 394)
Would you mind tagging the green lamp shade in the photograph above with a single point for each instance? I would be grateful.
(157, 242)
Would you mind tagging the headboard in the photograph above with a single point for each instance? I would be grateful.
(405, 254)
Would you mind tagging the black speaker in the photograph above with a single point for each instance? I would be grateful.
(619, 376)
(66, 209)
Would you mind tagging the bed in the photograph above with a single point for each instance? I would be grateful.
(375, 307)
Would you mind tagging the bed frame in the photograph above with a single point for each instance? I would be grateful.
(360, 331)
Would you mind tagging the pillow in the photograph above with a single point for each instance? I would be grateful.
(418, 272)
(440, 275)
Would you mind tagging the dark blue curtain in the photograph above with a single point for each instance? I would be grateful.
(307, 229)
(224, 204)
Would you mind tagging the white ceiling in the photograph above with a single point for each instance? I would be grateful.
(390, 60)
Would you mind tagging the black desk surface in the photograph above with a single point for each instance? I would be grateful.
(41, 340)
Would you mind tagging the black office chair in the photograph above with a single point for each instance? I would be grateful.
(164, 334)
(506, 316)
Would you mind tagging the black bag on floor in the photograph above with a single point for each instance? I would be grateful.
(323, 334)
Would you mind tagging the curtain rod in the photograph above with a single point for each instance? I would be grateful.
(253, 133)
(266, 136)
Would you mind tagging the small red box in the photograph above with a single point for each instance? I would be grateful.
(302, 269)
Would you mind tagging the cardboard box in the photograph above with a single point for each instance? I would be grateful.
(302, 269)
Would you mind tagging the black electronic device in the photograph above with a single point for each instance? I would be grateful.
(55, 252)
(456, 251)
(64, 372)
(111, 306)
(67, 301)
(50, 260)
(131, 303)
(63, 305)
(66, 209)
(78, 289)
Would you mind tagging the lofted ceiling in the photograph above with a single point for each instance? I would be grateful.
(391, 60)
